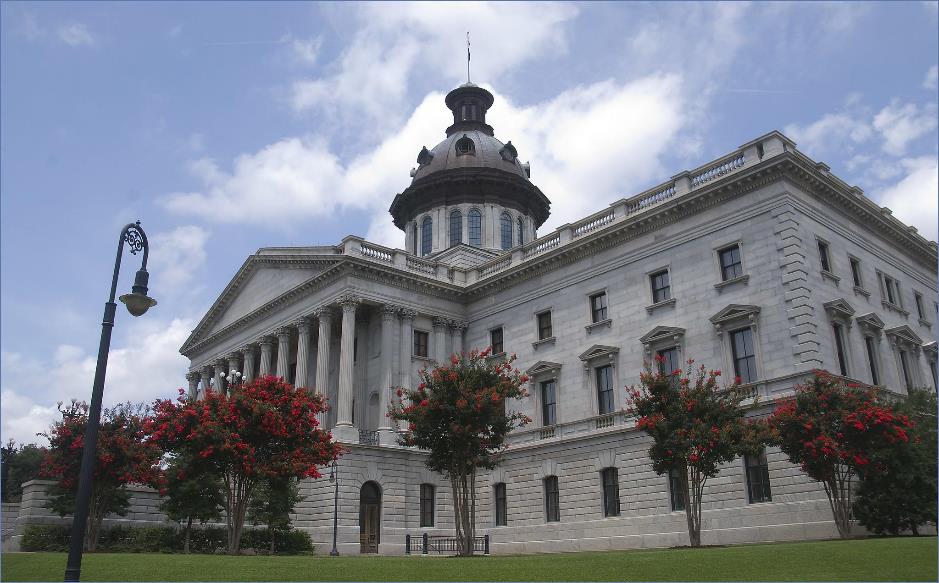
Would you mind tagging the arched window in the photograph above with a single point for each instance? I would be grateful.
(465, 146)
(475, 226)
(456, 228)
(521, 231)
(506, 231)
(427, 231)
(414, 239)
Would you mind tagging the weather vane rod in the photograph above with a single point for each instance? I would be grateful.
(467, 57)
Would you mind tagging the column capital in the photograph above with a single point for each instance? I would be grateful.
(247, 348)
(324, 313)
(267, 341)
(349, 302)
(193, 375)
(389, 312)
(458, 324)
(440, 323)
(233, 355)
(283, 333)
(208, 370)
(407, 313)
(303, 322)
(220, 362)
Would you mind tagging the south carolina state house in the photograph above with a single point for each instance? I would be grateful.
(761, 262)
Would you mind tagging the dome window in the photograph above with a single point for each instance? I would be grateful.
(468, 112)
(508, 152)
(465, 147)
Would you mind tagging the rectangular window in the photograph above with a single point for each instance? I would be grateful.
(905, 365)
(856, 272)
(919, 306)
(661, 290)
(552, 500)
(935, 379)
(731, 267)
(676, 490)
(871, 359)
(420, 343)
(741, 344)
(610, 492)
(758, 478)
(890, 287)
(668, 360)
(495, 340)
(823, 256)
(502, 515)
(548, 403)
(838, 331)
(544, 326)
(605, 389)
(598, 307)
(427, 505)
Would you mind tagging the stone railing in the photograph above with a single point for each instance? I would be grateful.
(617, 419)
(678, 186)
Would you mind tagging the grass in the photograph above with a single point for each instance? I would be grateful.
(873, 559)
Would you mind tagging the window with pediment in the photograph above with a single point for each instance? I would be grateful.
(871, 326)
(840, 318)
(736, 326)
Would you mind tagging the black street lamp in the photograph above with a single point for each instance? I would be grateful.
(137, 303)
(335, 479)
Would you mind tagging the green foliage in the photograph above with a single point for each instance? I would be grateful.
(166, 539)
(901, 492)
(18, 464)
(695, 426)
(458, 415)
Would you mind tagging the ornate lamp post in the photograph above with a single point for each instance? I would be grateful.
(137, 303)
(232, 378)
(335, 479)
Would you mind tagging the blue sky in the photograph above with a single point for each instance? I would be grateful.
(225, 127)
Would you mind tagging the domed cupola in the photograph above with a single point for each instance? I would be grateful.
(471, 188)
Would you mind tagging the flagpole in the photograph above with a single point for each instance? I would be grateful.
(467, 57)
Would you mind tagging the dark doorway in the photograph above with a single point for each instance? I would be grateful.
(369, 517)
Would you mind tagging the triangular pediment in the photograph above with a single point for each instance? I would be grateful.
(904, 333)
(734, 312)
(465, 256)
(598, 351)
(261, 280)
(870, 320)
(839, 307)
(661, 333)
(930, 347)
(543, 367)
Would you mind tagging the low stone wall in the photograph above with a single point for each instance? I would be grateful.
(144, 511)
(8, 514)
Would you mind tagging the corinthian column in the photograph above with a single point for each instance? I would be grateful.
(234, 363)
(304, 329)
(219, 371)
(248, 354)
(389, 317)
(344, 430)
(456, 331)
(267, 346)
(193, 378)
(407, 345)
(325, 316)
(207, 374)
(283, 352)
(440, 340)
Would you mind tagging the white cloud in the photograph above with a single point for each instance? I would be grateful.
(901, 124)
(305, 51)
(177, 256)
(395, 41)
(607, 135)
(913, 199)
(75, 34)
(931, 81)
(146, 367)
(834, 132)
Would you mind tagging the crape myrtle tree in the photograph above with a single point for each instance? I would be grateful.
(191, 491)
(458, 415)
(124, 456)
(261, 430)
(695, 426)
(832, 429)
(898, 487)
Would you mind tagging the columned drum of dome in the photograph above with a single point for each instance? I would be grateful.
(470, 173)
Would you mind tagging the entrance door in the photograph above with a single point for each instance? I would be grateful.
(369, 517)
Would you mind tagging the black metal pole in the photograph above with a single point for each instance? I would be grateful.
(335, 551)
(86, 476)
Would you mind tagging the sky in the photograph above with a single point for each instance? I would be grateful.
(226, 127)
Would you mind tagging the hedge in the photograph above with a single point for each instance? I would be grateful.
(168, 539)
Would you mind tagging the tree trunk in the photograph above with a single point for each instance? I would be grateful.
(239, 489)
(838, 490)
(915, 528)
(188, 532)
(270, 528)
(96, 511)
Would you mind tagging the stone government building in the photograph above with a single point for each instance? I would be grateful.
(761, 262)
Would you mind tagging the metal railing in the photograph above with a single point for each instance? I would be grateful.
(426, 544)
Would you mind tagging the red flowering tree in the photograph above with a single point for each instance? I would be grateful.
(831, 430)
(123, 457)
(262, 430)
(695, 426)
(458, 415)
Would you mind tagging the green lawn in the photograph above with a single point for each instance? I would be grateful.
(893, 559)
